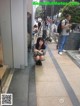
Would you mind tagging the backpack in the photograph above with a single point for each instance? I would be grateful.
(59, 28)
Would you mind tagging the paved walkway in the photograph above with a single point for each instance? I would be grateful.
(58, 80)
(55, 83)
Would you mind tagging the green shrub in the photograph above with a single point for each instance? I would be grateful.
(73, 10)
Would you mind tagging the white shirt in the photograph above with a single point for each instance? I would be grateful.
(64, 30)
(53, 28)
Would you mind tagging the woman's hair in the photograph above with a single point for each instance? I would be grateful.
(37, 44)
(39, 25)
(67, 15)
(35, 26)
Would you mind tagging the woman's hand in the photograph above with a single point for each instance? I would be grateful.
(40, 52)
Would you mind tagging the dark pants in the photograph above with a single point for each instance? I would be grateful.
(44, 34)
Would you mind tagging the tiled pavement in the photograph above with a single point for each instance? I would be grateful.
(57, 84)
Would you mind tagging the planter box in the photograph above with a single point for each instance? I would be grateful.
(73, 41)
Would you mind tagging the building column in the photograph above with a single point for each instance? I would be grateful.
(5, 32)
(19, 32)
(13, 30)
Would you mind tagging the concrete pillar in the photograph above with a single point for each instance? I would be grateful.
(13, 30)
(5, 32)
(19, 32)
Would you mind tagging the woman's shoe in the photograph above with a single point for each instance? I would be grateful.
(40, 63)
(1, 65)
(37, 62)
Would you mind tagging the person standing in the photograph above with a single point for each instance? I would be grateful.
(65, 25)
(44, 29)
(54, 33)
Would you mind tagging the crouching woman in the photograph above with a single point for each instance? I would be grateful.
(39, 51)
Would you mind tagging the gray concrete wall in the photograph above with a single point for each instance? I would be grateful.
(29, 6)
(13, 29)
(25, 32)
(73, 41)
(5, 30)
(30, 10)
(19, 31)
